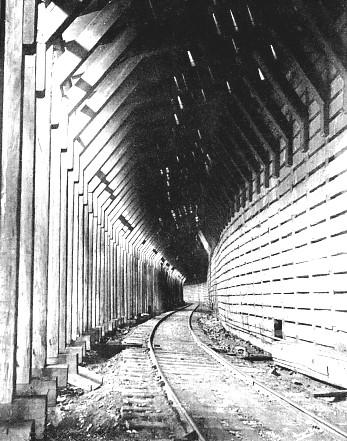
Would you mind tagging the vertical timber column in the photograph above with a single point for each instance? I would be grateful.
(98, 270)
(86, 251)
(94, 269)
(75, 304)
(111, 274)
(41, 224)
(115, 277)
(25, 288)
(90, 281)
(118, 279)
(102, 276)
(70, 320)
(63, 253)
(53, 292)
(106, 277)
(10, 179)
(80, 261)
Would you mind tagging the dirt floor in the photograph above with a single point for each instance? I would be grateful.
(98, 415)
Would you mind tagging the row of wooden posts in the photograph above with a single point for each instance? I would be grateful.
(69, 261)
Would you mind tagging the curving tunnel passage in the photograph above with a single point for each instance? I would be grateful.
(148, 145)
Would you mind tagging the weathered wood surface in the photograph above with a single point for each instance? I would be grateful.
(10, 179)
(53, 292)
(41, 223)
(25, 279)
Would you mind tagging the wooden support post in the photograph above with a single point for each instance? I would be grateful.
(41, 51)
(11, 113)
(75, 302)
(102, 293)
(85, 275)
(29, 23)
(89, 283)
(63, 253)
(53, 292)
(98, 273)
(94, 270)
(80, 262)
(70, 321)
(25, 279)
(41, 225)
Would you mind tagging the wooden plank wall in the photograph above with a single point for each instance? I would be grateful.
(195, 293)
(282, 259)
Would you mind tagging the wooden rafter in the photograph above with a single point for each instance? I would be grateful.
(282, 87)
(321, 26)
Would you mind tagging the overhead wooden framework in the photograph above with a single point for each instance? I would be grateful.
(142, 126)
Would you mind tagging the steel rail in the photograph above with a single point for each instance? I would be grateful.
(250, 380)
(169, 390)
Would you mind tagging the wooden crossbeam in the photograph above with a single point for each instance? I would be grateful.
(259, 153)
(271, 149)
(249, 162)
(322, 27)
(287, 94)
(295, 56)
(273, 113)
(89, 37)
(240, 166)
(104, 122)
(97, 65)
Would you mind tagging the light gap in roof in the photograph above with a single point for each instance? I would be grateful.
(180, 102)
(250, 16)
(261, 74)
(235, 47)
(191, 59)
(219, 32)
(234, 21)
(185, 82)
(273, 52)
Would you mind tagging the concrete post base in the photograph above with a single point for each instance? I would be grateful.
(39, 387)
(87, 339)
(24, 409)
(19, 431)
(79, 344)
(69, 359)
(76, 350)
(56, 371)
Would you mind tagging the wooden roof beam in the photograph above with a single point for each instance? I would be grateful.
(106, 136)
(88, 38)
(90, 169)
(97, 65)
(290, 47)
(273, 113)
(270, 148)
(259, 153)
(322, 27)
(283, 88)
(104, 121)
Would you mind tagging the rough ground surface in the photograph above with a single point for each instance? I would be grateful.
(293, 385)
(115, 410)
(130, 405)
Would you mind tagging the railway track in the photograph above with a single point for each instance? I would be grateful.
(223, 402)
